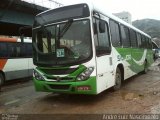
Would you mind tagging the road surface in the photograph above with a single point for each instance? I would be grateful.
(139, 94)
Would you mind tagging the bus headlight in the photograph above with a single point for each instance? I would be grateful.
(37, 75)
(86, 74)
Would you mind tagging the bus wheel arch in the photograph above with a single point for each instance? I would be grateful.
(2, 78)
(119, 77)
(120, 66)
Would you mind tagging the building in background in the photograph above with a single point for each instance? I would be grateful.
(126, 16)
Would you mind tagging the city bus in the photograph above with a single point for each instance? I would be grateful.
(82, 49)
(15, 59)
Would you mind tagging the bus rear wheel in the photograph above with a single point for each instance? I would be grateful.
(118, 80)
(145, 67)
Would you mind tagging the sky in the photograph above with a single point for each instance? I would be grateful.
(139, 9)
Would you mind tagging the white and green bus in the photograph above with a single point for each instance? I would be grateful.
(81, 49)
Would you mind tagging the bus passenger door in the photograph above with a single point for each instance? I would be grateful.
(103, 55)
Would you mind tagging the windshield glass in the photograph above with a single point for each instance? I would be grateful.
(62, 13)
(62, 44)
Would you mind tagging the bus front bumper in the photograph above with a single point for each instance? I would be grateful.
(78, 87)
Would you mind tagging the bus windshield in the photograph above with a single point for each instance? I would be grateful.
(63, 43)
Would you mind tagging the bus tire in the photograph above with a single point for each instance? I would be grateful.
(145, 67)
(118, 80)
(1, 80)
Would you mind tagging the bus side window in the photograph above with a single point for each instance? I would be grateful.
(125, 36)
(150, 43)
(29, 49)
(102, 41)
(3, 50)
(18, 50)
(115, 33)
(133, 38)
(23, 50)
(12, 50)
(147, 43)
(139, 40)
(143, 41)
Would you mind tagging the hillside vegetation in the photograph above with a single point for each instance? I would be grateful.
(149, 26)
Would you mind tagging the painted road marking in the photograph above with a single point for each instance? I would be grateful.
(12, 102)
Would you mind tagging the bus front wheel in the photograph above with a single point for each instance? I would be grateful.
(118, 80)
(1, 80)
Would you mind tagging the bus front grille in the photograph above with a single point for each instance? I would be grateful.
(59, 71)
(59, 79)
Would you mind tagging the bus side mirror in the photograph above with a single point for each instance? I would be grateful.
(25, 31)
(95, 28)
(101, 26)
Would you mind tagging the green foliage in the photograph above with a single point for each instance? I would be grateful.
(149, 26)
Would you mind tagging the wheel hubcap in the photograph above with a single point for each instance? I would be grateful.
(118, 79)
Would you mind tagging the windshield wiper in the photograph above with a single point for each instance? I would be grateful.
(65, 28)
